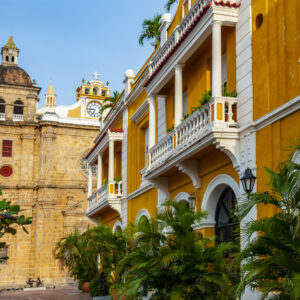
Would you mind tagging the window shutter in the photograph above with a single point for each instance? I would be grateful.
(6, 148)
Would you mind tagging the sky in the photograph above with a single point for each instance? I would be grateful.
(67, 40)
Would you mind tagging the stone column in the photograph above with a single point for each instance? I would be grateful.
(28, 140)
(178, 95)
(99, 172)
(48, 137)
(216, 59)
(90, 182)
(152, 120)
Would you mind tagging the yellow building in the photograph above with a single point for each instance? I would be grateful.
(155, 145)
(43, 167)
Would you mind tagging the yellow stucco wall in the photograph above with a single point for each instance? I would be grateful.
(146, 201)
(212, 164)
(75, 113)
(276, 51)
(271, 143)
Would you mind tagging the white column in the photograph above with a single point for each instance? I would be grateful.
(90, 182)
(111, 165)
(216, 59)
(152, 119)
(178, 95)
(99, 171)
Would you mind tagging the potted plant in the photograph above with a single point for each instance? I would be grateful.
(75, 253)
(99, 287)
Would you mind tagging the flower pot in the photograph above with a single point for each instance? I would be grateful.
(85, 287)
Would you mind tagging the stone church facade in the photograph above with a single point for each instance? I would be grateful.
(42, 168)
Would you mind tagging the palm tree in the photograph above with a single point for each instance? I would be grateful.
(169, 4)
(75, 253)
(271, 260)
(151, 30)
(171, 260)
(110, 101)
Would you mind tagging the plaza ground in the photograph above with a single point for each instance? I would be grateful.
(62, 293)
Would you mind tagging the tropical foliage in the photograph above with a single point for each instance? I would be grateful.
(172, 261)
(151, 31)
(92, 256)
(110, 101)
(9, 217)
(76, 253)
(271, 261)
(169, 4)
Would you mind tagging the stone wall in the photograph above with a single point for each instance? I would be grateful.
(50, 186)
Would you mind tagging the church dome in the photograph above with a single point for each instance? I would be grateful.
(14, 75)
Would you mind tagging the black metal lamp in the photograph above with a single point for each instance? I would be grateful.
(248, 180)
(192, 200)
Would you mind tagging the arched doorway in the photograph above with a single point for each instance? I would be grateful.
(226, 222)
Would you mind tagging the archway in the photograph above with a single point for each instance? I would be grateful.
(226, 222)
(212, 195)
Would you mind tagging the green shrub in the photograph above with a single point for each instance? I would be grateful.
(99, 286)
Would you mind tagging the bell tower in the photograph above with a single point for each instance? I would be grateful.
(10, 53)
(50, 96)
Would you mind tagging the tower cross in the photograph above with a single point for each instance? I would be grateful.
(96, 75)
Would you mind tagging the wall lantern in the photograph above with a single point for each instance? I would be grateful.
(248, 180)
(192, 201)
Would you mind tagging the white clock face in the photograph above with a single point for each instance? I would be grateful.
(94, 109)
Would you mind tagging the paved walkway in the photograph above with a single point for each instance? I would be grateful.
(63, 293)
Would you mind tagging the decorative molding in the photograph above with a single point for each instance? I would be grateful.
(138, 114)
(142, 212)
(117, 224)
(213, 193)
(141, 190)
(191, 169)
(278, 113)
(162, 184)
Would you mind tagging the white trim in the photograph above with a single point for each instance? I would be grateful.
(213, 193)
(182, 196)
(141, 190)
(142, 212)
(117, 223)
(139, 113)
(278, 113)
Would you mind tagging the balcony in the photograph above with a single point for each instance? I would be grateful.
(18, 118)
(192, 31)
(215, 124)
(108, 195)
(2, 116)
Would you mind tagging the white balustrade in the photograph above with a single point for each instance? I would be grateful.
(117, 191)
(180, 32)
(18, 117)
(2, 116)
(162, 150)
(103, 194)
(193, 129)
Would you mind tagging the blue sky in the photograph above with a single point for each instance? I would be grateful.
(67, 40)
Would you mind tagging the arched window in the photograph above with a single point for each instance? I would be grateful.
(226, 222)
(18, 107)
(95, 91)
(7, 58)
(2, 107)
(13, 59)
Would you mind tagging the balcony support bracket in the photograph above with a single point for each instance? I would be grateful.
(115, 204)
(231, 147)
(191, 169)
(162, 184)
